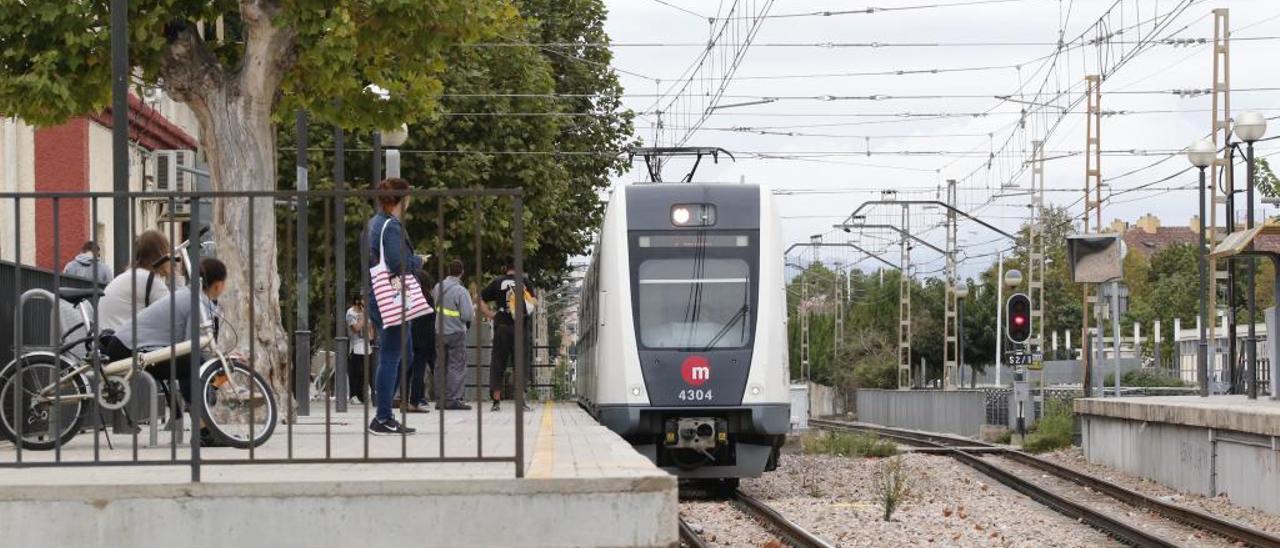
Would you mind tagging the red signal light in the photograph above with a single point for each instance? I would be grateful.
(1019, 320)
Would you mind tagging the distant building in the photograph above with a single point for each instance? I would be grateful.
(76, 157)
(1148, 237)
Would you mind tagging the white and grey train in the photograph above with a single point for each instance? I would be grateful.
(682, 348)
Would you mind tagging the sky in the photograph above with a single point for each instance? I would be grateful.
(925, 128)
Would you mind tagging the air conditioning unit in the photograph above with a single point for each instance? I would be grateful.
(169, 178)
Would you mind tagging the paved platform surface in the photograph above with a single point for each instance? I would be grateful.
(1234, 412)
(584, 486)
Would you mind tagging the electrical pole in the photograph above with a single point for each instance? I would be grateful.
(1092, 182)
(951, 328)
(999, 315)
(1221, 106)
(839, 334)
(904, 307)
(1035, 257)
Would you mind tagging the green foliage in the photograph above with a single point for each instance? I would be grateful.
(846, 444)
(1053, 432)
(1005, 437)
(1145, 378)
(561, 383)
(892, 484)
(55, 55)
(1265, 179)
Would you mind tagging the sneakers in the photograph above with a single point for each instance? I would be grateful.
(418, 408)
(495, 407)
(454, 406)
(389, 427)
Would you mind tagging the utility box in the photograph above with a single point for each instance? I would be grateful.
(799, 407)
(1021, 396)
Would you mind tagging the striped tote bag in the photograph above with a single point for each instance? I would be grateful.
(390, 291)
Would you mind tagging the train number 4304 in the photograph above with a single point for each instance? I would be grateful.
(694, 395)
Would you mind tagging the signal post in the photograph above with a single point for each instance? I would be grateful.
(1017, 320)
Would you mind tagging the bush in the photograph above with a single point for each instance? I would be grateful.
(561, 383)
(1053, 432)
(846, 444)
(1145, 377)
(892, 484)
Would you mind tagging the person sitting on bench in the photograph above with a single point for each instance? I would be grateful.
(153, 330)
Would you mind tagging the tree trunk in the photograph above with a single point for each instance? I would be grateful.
(238, 137)
(239, 141)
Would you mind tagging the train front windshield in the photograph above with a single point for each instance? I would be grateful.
(694, 291)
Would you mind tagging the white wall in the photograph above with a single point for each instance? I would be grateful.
(17, 174)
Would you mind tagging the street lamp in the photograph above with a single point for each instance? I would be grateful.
(1249, 127)
(962, 292)
(393, 139)
(1202, 153)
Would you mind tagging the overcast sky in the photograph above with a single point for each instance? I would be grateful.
(831, 174)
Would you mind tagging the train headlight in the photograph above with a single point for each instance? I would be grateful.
(680, 215)
(636, 390)
(693, 214)
(756, 389)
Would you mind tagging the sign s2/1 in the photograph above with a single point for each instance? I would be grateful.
(1015, 359)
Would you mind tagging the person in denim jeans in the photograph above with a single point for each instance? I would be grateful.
(394, 346)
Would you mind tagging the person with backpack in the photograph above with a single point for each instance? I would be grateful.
(502, 292)
(146, 282)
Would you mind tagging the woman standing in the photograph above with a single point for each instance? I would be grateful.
(394, 342)
(358, 332)
(146, 281)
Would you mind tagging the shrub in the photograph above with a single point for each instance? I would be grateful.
(849, 445)
(561, 383)
(892, 484)
(1146, 377)
(1053, 432)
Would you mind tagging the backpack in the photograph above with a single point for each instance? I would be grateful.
(530, 303)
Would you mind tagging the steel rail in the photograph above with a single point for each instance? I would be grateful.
(690, 538)
(1207, 522)
(794, 533)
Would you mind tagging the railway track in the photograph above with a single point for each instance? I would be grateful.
(967, 451)
(787, 530)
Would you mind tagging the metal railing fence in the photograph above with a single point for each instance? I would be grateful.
(314, 271)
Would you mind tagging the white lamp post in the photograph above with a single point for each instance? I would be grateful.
(1249, 127)
(1201, 154)
(393, 139)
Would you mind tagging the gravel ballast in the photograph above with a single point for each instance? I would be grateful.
(949, 504)
(1221, 506)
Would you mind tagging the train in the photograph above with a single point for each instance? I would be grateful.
(682, 344)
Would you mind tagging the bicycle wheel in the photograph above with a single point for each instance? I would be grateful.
(239, 406)
(44, 425)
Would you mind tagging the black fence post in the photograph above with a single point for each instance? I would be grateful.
(302, 336)
(196, 323)
(341, 344)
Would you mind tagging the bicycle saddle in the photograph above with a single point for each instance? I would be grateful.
(75, 295)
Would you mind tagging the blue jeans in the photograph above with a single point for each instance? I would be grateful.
(391, 342)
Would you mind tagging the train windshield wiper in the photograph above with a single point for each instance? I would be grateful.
(738, 316)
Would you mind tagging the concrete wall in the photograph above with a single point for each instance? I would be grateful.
(825, 401)
(1244, 467)
(553, 512)
(959, 412)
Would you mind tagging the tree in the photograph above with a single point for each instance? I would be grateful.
(280, 55)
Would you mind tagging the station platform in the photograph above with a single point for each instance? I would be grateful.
(1219, 445)
(583, 486)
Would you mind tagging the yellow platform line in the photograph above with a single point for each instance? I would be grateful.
(544, 450)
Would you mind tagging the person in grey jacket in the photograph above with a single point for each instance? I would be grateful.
(87, 265)
(453, 305)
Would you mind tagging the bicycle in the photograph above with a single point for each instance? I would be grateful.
(41, 413)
